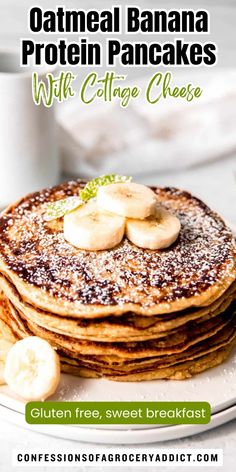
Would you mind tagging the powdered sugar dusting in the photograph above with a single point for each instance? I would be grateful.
(38, 253)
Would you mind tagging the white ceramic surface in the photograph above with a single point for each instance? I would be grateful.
(128, 436)
(28, 144)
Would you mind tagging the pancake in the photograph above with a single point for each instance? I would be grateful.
(195, 359)
(225, 337)
(225, 334)
(6, 332)
(126, 314)
(177, 342)
(154, 366)
(178, 372)
(127, 327)
(52, 275)
(177, 368)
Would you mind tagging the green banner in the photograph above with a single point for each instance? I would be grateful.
(118, 412)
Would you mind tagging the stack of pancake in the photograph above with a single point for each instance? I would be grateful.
(126, 313)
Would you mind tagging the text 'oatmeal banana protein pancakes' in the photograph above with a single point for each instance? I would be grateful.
(130, 283)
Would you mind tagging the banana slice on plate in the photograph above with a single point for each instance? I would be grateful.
(32, 369)
(127, 199)
(156, 232)
(92, 229)
(5, 347)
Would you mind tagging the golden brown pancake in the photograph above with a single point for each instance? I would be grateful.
(127, 313)
(57, 277)
(179, 341)
(202, 355)
(177, 372)
(127, 327)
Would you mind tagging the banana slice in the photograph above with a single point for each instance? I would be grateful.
(92, 229)
(127, 199)
(5, 347)
(156, 232)
(32, 369)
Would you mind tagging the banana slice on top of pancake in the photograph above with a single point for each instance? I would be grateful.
(127, 199)
(121, 208)
(158, 231)
(93, 229)
(32, 368)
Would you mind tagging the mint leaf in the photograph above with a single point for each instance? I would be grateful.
(61, 207)
(91, 188)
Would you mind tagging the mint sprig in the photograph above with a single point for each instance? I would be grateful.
(91, 188)
(61, 207)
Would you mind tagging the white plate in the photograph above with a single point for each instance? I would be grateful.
(127, 436)
(216, 386)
